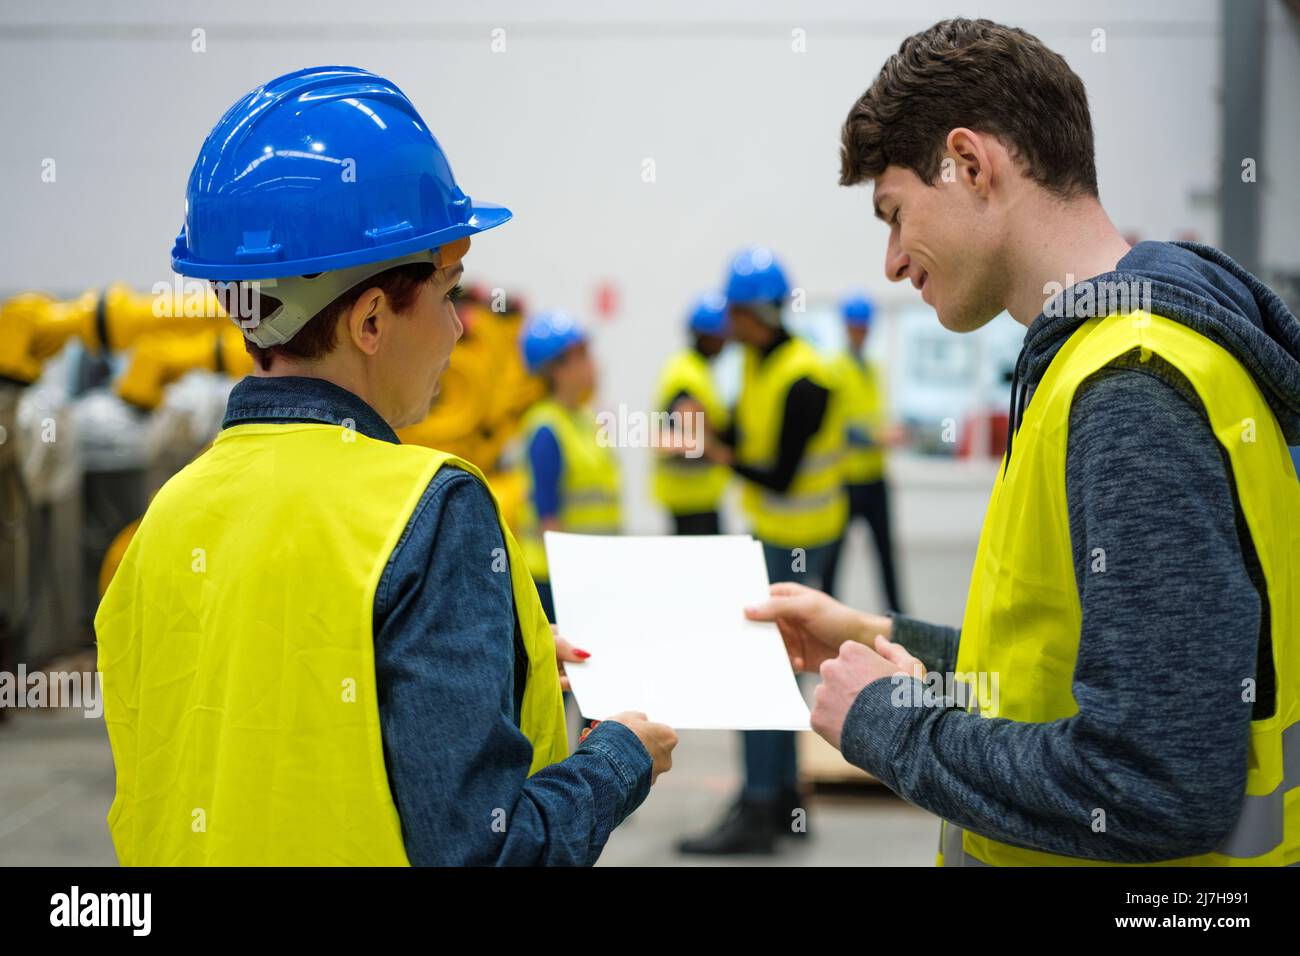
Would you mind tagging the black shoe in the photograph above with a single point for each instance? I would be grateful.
(748, 827)
(790, 815)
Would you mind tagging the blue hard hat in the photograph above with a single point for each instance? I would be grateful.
(320, 169)
(755, 275)
(709, 315)
(857, 309)
(548, 335)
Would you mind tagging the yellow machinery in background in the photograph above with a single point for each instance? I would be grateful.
(40, 551)
(35, 327)
(484, 392)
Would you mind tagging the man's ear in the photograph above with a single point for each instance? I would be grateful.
(361, 324)
(968, 160)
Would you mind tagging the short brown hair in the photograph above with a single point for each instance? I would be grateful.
(401, 284)
(983, 76)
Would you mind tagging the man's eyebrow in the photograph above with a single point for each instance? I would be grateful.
(455, 272)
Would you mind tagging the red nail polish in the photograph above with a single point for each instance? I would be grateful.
(582, 654)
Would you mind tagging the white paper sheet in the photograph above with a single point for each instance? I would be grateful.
(663, 618)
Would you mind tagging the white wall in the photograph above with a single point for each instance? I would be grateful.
(743, 131)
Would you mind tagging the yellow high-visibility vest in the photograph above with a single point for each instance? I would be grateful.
(1023, 616)
(813, 510)
(589, 480)
(864, 412)
(690, 485)
(236, 646)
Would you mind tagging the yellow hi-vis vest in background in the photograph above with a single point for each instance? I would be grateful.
(236, 646)
(814, 509)
(1023, 616)
(864, 412)
(690, 485)
(589, 480)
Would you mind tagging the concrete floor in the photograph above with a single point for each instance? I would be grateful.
(57, 785)
(865, 826)
(55, 790)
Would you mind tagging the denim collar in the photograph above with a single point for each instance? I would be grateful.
(297, 398)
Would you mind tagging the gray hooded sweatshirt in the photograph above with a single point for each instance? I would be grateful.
(1170, 631)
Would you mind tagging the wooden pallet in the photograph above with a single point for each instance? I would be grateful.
(822, 767)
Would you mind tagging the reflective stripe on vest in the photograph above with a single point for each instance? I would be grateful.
(1259, 829)
(1023, 615)
(589, 480)
(813, 510)
(236, 646)
(690, 485)
(864, 413)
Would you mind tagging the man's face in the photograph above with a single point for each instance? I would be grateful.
(574, 373)
(419, 347)
(710, 345)
(857, 336)
(744, 326)
(944, 239)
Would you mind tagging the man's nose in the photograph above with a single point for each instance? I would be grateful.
(896, 262)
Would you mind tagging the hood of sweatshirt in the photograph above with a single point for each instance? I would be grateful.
(1203, 289)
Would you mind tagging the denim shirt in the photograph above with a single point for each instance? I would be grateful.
(445, 666)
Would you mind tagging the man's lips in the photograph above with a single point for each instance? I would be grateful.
(921, 283)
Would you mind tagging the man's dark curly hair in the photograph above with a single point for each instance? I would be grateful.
(983, 76)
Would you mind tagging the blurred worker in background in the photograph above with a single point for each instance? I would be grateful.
(572, 480)
(691, 488)
(786, 443)
(322, 646)
(867, 433)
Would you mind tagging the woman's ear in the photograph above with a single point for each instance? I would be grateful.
(363, 321)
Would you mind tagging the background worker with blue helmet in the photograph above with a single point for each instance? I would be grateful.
(867, 435)
(785, 442)
(312, 653)
(688, 485)
(571, 479)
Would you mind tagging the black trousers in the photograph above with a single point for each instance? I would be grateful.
(870, 501)
(704, 522)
